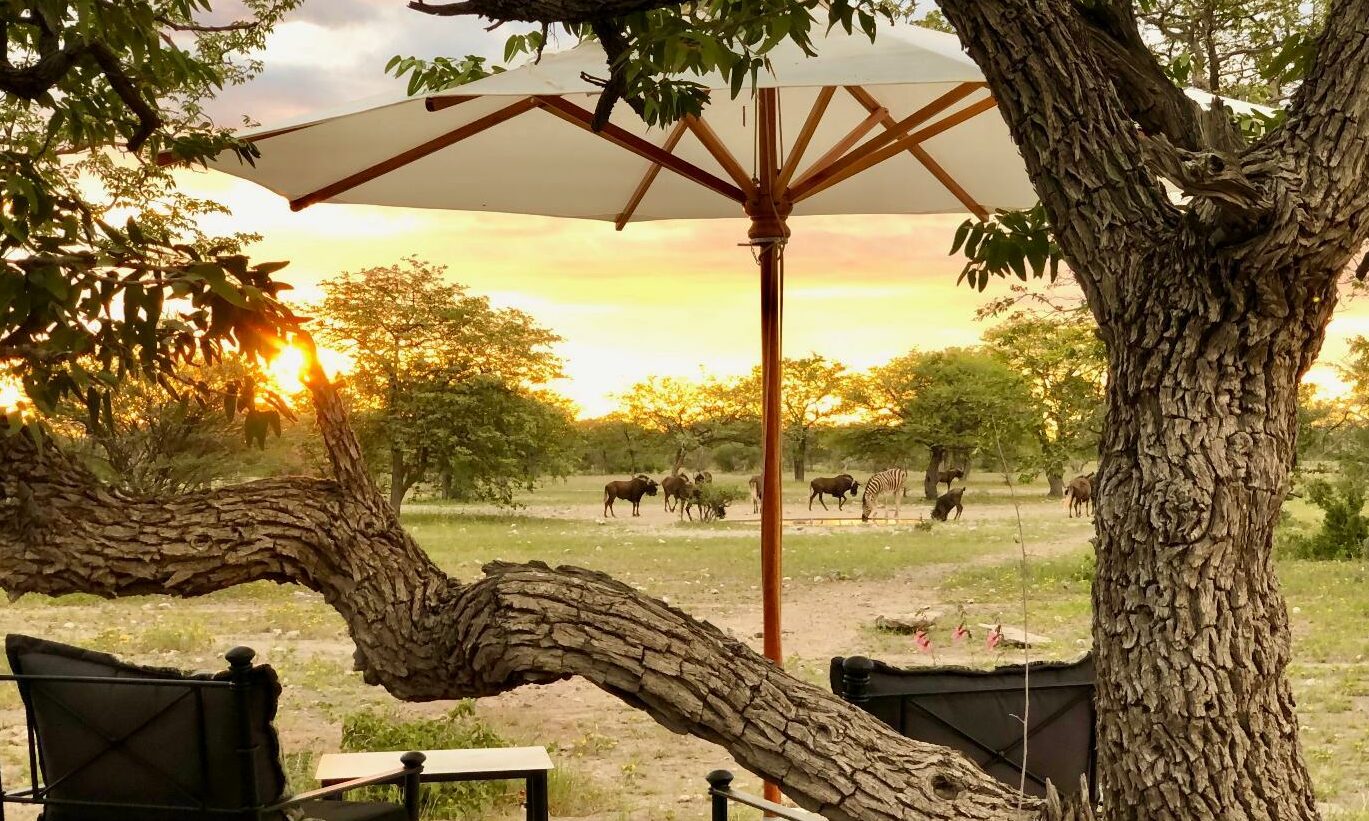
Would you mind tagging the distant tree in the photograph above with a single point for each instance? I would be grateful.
(426, 355)
(691, 415)
(1061, 361)
(812, 396)
(489, 439)
(616, 444)
(937, 402)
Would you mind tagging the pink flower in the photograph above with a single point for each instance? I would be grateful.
(994, 637)
(960, 634)
(923, 642)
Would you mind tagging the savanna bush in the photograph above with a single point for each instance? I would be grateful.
(1344, 532)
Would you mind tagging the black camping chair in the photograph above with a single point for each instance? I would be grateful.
(110, 741)
(979, 713)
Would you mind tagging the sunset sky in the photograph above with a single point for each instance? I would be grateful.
(658, 298)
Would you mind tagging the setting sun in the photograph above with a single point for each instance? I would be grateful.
(286, 369)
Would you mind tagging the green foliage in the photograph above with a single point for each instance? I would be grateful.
(661, 54)
(691, 415)
(614, 444)
(1063, 364)
(1015, 243)
(444, 383)
(810, 398)
(715, 498)
(460, 728)
(955, 399)
(1252, 50)
(86, 297)
(440, 73)
(1344, 532)
(734, 457)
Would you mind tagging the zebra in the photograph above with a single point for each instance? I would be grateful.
(891, 481)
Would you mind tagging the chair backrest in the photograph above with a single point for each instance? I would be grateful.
(979, 713)
(120, 742)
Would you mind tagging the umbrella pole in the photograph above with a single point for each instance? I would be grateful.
(769, 211)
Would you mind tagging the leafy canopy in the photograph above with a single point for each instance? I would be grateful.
(102, 271)
(445, 383)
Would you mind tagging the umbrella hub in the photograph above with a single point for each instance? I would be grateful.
(769, 218)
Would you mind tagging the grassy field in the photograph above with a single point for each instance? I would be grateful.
(612, 762)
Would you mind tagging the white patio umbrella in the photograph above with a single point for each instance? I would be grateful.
(903, 125)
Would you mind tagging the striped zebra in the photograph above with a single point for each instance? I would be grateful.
(886, 481)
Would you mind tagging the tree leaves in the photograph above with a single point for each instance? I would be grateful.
(85, 302)
(1009, 243)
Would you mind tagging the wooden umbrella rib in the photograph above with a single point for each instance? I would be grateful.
(720, 152)
(858, 160)
(834, 156)
(418, 152)
(838, 150)
(621, 137)
(810, 126)
(948, 182)
(441, 103)
(638, 194)
(944, 177)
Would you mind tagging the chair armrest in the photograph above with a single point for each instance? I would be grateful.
(720, 789)
(406, 777)
(390, 777)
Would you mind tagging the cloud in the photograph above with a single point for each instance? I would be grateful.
(332, 51)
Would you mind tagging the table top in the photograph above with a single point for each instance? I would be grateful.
(334, 767)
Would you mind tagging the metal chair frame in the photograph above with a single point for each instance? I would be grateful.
(252, 806)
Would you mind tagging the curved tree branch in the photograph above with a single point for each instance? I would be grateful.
(1327, 135)
(424, 636)
(1082, 151)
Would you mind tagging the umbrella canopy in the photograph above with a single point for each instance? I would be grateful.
(519, 142)
(903, 125)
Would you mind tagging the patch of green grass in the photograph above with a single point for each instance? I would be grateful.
(178, 637)
(461, 728)
(711, 563)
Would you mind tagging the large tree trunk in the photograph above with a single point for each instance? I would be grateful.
(801, 457)
(1199, 442)
(935, 456)
(424, 636)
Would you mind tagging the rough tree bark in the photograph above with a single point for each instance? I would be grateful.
(424, 636)
(1211, 313)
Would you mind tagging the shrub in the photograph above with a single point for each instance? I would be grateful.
(717, 497)
(1344, 532)
(460, 728)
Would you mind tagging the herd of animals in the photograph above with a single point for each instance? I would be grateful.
(687, 495)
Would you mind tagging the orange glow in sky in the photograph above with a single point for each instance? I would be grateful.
(665, 298)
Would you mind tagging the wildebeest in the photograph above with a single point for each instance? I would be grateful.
(837, 486)
(673, 488)
(1080, 495)
(947, 502)
(632, 489)
(891, 481)
(754, 483)
(945, 477)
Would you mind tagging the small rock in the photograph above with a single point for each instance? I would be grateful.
(1012, 637)
(908, 623)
